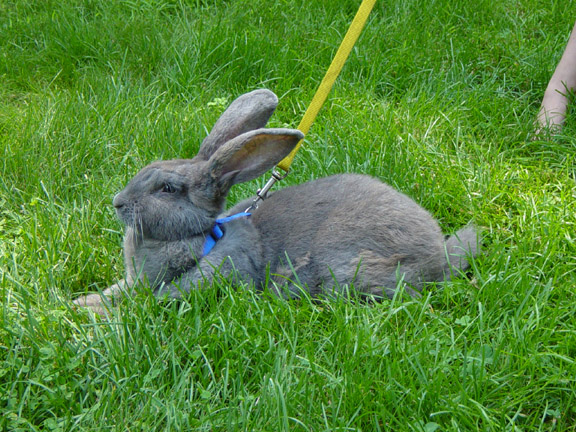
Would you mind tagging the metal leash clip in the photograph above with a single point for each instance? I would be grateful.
(261, 194)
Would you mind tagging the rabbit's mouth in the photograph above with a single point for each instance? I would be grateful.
(128, 216)
(154, 223)
(135, 230)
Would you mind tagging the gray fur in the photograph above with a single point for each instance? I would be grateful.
(326, 234)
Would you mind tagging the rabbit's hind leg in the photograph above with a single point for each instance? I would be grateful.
(370, 273)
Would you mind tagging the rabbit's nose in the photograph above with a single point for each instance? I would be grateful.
(117, 201)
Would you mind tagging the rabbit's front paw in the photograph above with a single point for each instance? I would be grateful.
(95, 302)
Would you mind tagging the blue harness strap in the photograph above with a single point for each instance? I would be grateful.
(216, 232)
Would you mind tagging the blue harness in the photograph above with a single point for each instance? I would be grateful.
(216, 232)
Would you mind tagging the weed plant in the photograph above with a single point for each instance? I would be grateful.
(438, 99)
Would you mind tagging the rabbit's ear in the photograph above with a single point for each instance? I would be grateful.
(249, 112)
(251, 155)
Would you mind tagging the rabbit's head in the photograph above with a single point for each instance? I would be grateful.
(178, 199)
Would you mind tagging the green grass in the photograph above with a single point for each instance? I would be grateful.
(438, 100)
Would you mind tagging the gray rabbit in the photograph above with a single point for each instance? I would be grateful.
(321, 236)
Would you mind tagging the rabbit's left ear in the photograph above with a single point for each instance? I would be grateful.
(249, 112)
(251, 154)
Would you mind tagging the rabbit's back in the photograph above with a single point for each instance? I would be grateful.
(349, 229)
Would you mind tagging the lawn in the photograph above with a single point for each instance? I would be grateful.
(438, 100)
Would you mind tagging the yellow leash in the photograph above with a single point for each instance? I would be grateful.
(321, 94)
(331, 74)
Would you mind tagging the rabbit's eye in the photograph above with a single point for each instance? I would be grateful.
(168, 188)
